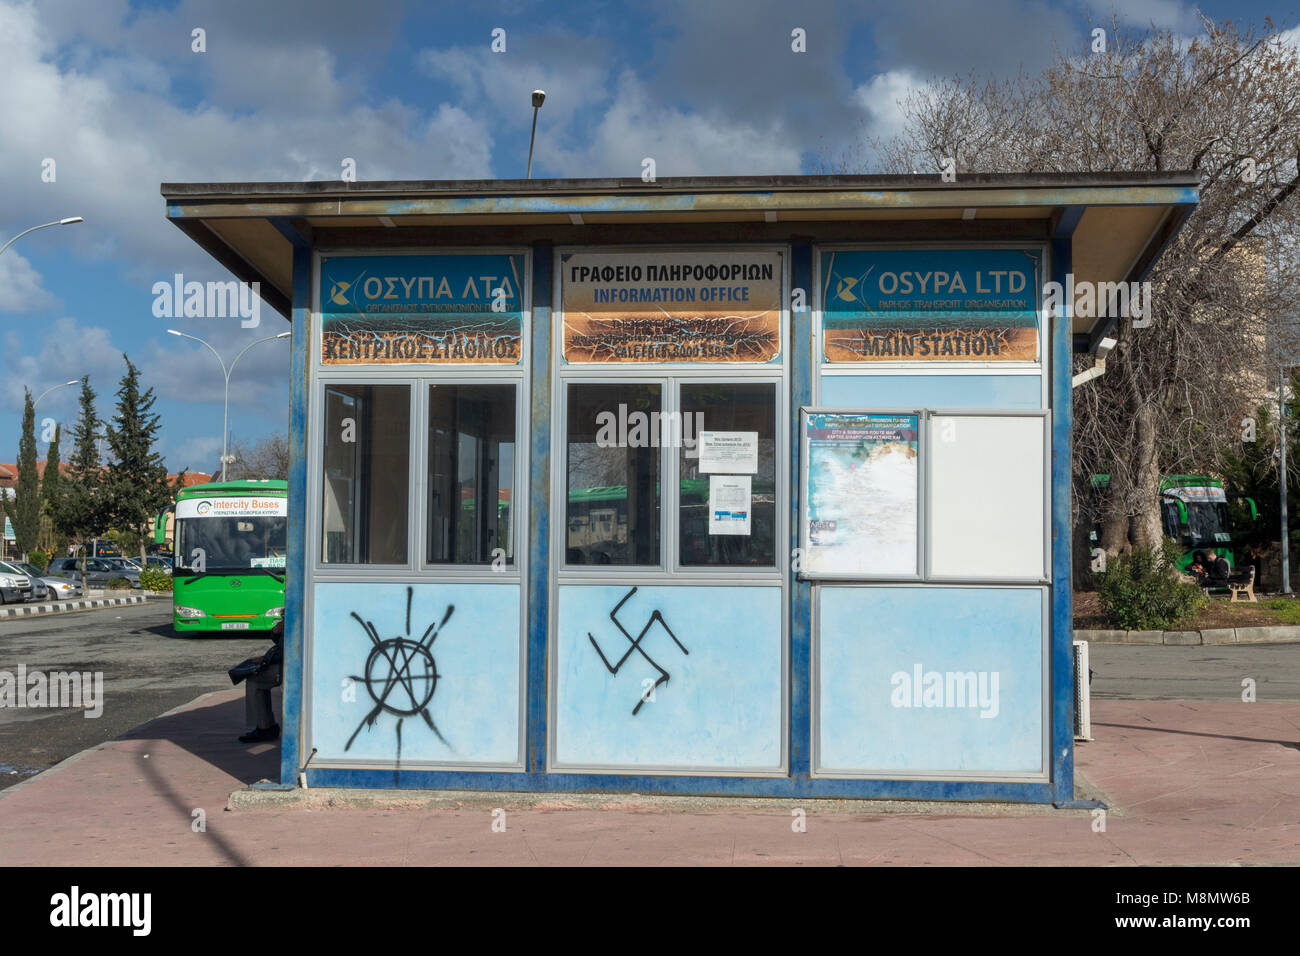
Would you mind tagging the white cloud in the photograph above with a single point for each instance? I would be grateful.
(637, 126)
(115, 133)
(881, 98)
(20, 284)
(1141, 14)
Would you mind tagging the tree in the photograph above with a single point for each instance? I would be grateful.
(1225, 105)
(136, 475)
(26, 507)
(51, 481)
(268, 458)
(82, 510)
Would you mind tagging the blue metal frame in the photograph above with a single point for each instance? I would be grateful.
(539, 506)
(801, 373)
(1062, 643)
(296, 559)
(799, 783)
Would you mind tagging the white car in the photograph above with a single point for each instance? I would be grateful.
(15, 586)
(45, 588)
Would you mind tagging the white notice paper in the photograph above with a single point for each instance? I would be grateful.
(729, 504)
(730, 453)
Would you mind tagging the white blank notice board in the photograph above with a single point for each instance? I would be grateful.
(988, 488)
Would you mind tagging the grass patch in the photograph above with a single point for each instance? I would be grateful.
(1286, 610)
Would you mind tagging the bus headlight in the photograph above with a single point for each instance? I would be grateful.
(182, 611)
(276, 612)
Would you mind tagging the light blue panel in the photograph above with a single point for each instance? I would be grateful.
(720, 706)
(474, 704)
(871, 717)
(932, 391)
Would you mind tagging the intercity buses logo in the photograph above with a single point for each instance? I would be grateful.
(204, 507)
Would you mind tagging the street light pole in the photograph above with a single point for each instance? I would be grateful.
(539, 97)
(52, 388)
(1281, 428)
(225, 415)
(58, 222)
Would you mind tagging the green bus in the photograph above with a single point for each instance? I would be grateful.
(1194, 513)
(230, 556)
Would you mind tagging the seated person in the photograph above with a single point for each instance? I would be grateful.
(1197, 569)
(1217, 570)
(258, 711)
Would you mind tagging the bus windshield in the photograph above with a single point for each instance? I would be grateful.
(1207, 522)
(232, 543)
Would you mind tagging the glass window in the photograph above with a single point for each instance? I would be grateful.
(612, 514)
(366, 464)
(471, 471)
(724, 534)
(234, 544)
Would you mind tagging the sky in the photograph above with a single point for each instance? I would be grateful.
(115, 95)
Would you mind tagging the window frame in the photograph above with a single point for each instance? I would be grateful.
(417, 377)
(669, 568)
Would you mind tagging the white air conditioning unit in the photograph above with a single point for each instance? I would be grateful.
(1082, 705)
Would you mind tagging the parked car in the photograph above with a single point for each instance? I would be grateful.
(40, 590)
(99, 571)
(56, 589)
(15, 588)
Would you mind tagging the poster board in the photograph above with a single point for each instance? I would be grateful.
(987, 491)
(861, 494)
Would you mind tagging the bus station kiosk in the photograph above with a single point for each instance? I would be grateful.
(713, 486)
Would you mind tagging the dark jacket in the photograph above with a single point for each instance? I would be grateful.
(1217, 571)
(276, 654)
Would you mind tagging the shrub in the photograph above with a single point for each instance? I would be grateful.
(155, 579)
(1142, 591)
(116, 583)
(39, 559)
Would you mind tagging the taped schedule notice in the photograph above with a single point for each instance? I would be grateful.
(729, 504)
(728, 453)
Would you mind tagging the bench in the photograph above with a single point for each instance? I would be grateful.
(1242, 585)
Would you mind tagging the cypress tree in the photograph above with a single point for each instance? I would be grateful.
(26, 509)
(81, 511)
(51, 487)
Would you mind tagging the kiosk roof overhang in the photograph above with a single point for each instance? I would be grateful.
(1120, 222)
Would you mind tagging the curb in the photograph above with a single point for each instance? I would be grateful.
(65, 606)
(1218, 635)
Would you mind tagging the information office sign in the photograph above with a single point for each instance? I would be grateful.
(930, 305)
(425, 310)
(714, 306)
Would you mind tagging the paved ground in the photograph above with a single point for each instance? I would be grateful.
(147, 670)
(1189, 782)
(1214, 781)
(1215, 672)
